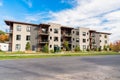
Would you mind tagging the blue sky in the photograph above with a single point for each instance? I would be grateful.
(19, 9)
(101, 15)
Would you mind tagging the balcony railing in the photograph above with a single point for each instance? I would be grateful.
(43, 41)
(69, 42)
(43, 33)
(67, 34)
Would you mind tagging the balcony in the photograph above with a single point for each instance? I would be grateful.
(43, 33)
(69, 42)
(67, 35)
(43, 41)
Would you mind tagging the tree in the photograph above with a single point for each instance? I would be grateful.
(99, 49)
(88, 49)
(3, 37)
(115, 46)
(77, 48)
(105, 48)
(2, 32)
(28, 47)
(111, 46)
(66, 45)
(45, 48)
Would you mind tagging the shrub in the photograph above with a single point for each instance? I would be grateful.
(99, 49)
(28, 46)
(45, 48)
(66, 45)
(115, 46)
(51, 51)
(105, 48)
(87, 49)
(77, 48)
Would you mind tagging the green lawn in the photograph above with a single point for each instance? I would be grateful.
(21, 55)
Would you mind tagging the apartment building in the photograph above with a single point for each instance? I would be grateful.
(98, 39)
(80, 37)
(54, 35)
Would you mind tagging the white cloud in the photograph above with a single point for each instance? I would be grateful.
(28, 2)
(37, 17)
(102, 15)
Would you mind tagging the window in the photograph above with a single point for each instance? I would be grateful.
(105, 36)
(100, 41)
(77, 39)
(87, 39)
(17, 47)
(55, 38)
(50, 37)
(84, 33)
(73, 46)
(100, 35)
(73, 31)
(27, 37)
(93, 34)
(50, 46)
(93, 41)
(87, 33)
(77, 33)
(106, 41)
(84, 46)
(28, 29)
(55, 30)
(44, 30)
(18, 37)
(61, 40)
(50, 29)
(84, 40)
(18, 28)
(73, 39)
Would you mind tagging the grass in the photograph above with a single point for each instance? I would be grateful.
(21, 55)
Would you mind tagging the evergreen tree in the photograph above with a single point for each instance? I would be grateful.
(28, 46)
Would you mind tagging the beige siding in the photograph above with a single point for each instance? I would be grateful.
(23, 34)
(102, 38)
(74, 36)
(52, 34)
(86, 30)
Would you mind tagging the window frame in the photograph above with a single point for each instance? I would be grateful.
(84, 40)
(28, 38)
(56, 31)
(56, 39)
(84, 33)
(28, 29)
(77, 32)
(18, 37)
(77, 39)
(17, 46)
(18, 28)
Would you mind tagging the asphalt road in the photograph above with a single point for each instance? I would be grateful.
(62, 68)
